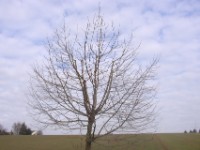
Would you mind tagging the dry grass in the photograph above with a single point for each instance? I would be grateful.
(112, 142)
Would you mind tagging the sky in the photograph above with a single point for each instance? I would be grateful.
(169, 29)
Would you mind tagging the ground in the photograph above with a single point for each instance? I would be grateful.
(112, 142)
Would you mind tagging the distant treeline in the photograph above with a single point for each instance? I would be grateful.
(18, 129)
(192, 131)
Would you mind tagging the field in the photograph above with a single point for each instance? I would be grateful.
(112, 142)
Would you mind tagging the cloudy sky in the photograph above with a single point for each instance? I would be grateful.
(169, 29)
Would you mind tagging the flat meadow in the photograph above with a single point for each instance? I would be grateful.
(167, 141)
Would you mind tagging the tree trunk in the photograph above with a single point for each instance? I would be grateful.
(88, 145)
(89, 137)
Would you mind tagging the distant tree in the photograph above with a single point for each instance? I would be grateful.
(194, 131)
(21, 129)
(185, 131)
(40, 132)
(3, 130)
(199, 130)
(191, 131)
(16, 128)
(25, 130)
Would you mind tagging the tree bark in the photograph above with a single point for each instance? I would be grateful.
(89, 136)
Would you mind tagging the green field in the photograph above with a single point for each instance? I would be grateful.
(112, 142)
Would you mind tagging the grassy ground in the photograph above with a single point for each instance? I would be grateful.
(112, 142)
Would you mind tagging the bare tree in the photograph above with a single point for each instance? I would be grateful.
(92, 81)
(21, 129)
(16, 128)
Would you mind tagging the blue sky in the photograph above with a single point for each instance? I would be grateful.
(168, 28)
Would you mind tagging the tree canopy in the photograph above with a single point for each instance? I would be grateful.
(91, 81)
